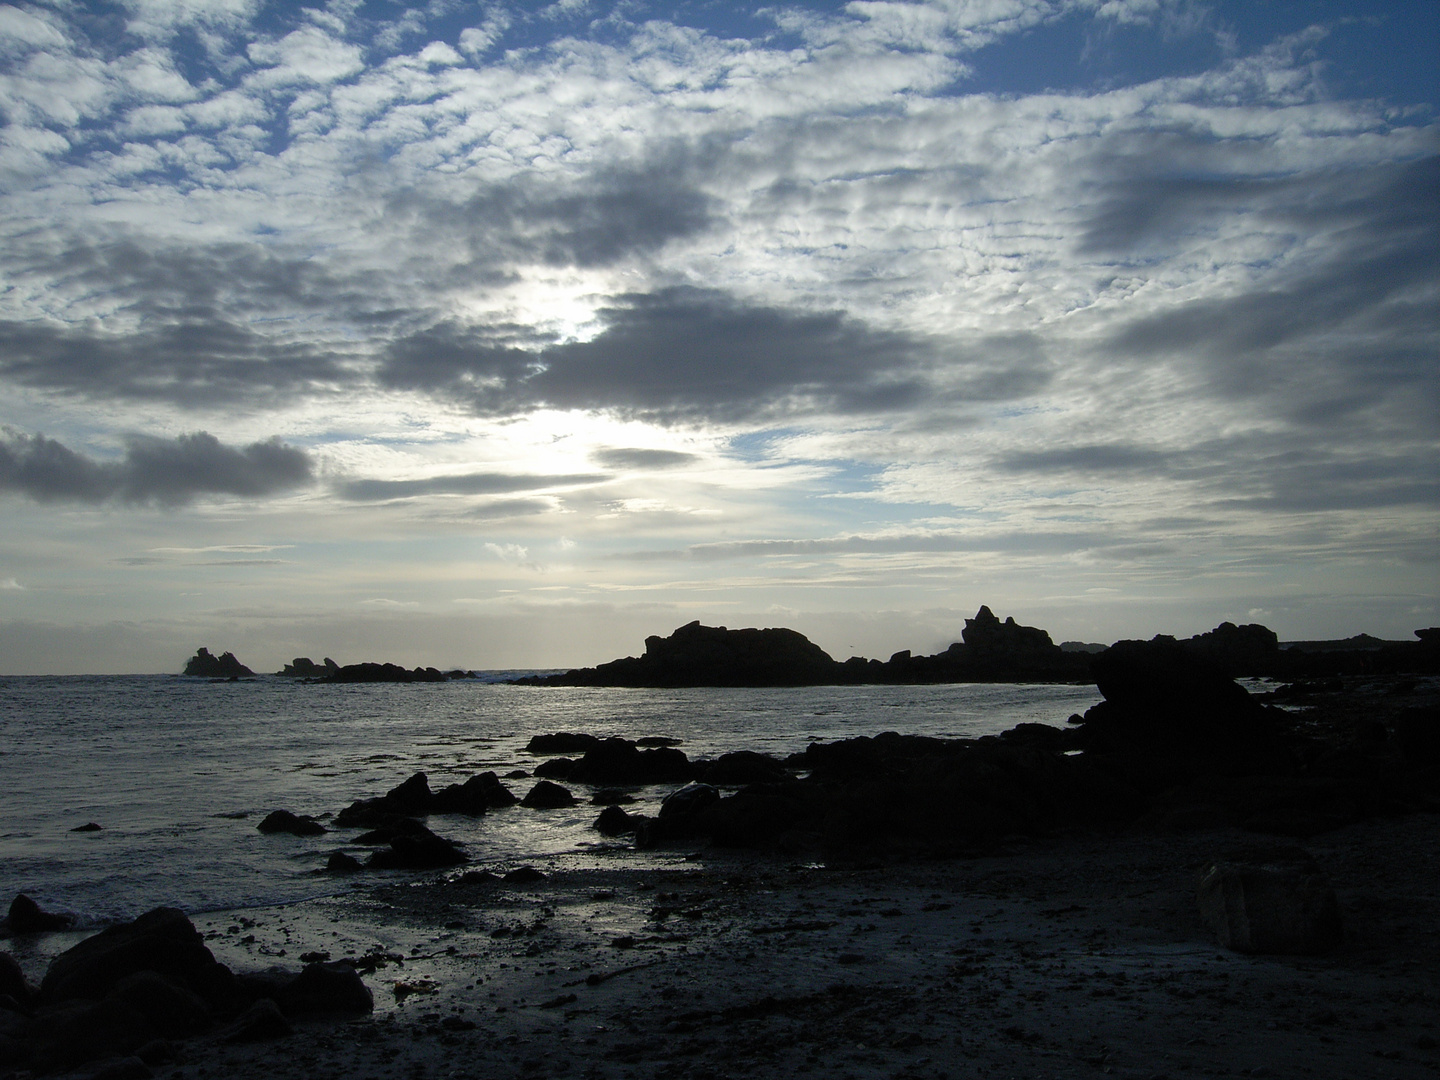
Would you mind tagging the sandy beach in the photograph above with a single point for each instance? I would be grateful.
(1071, 956)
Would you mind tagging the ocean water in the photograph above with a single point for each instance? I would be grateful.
(178, 771)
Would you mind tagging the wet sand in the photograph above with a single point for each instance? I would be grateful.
(1075, 956)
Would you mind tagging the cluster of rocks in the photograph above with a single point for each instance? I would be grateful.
(129, 990)
(204, 665)
(1175, 744)
(696, 655)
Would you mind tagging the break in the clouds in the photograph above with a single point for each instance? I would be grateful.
(1059, 305)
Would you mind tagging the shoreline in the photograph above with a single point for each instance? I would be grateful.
(1069, 956)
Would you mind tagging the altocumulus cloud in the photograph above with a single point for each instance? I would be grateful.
(168, 472)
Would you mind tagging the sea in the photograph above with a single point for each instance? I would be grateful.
(177, 772)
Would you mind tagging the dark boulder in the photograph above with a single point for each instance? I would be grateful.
(548, 796)
(417, 849)
(413, 796)
(1270, 905)
(620, 761)
(341, 863)
(283, 821)
(524, 875)
(561, 742)
(555, 769)
(614, 821)
(470, 798)
(170, 1010)
(742, 767)
(89, 826)
(163, 941)
(688, 801)
(333, 987)
(26, 917)
(261, 1022)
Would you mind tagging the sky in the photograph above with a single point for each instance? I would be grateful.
(503, 335)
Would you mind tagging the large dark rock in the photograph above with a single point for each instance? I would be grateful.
(417, 849)
(620, 761)
(26, 917)
(1237, 651)
(740, 767)
(333, 987)
(302, 667)
(548, 796)
(224, 666)
(1163, 701)
(696, 655)
(1275, 905)
(283, 821)
(163, 941)
(261, 1022)
(997, 644)
(557, 768)
(170, 1010)
(388, 673)
(561, 742)
(614, 821)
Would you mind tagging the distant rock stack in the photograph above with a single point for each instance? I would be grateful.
(224, 666)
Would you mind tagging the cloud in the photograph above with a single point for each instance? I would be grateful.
(685, 353)
(632, 457)
(463, 484)
(9, 584)
(167, 472)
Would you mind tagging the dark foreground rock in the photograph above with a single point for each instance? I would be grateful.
(224, 666)
(1279, 904)
(125, 992)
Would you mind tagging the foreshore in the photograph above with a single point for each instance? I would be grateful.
(1068, 956)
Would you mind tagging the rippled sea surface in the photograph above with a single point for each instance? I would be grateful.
(179, 771)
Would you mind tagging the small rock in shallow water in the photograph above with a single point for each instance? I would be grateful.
(524, 874)
(89, 826)
(26, 917)
(278, 821)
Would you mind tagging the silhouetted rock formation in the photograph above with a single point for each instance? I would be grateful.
(302, 667)
(224, 666)
(695, 655)
(391, 673)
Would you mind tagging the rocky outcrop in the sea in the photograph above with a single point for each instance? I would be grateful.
(124, 990)
(696, 655)
(302, 667)
(27, 917)
(387, 673)
(225, 666)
